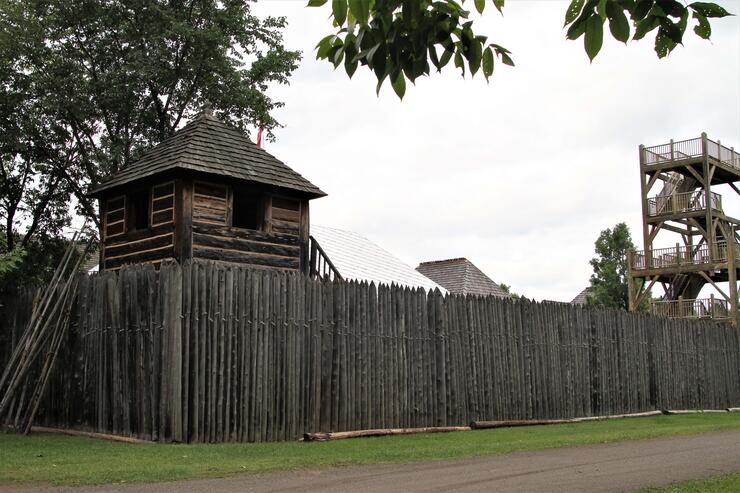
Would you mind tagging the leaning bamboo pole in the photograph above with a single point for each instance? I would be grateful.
(45, 331)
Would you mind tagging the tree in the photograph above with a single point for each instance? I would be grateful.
(609, 280)
(92, 84)
(398, 39)
(507, 289)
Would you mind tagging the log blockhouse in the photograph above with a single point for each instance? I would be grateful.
(207, 192)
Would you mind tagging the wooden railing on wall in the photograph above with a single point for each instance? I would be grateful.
(209, 352)
(320, 265)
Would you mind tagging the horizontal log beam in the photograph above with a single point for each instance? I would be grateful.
(340, 435)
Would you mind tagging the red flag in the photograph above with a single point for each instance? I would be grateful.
(259, 137)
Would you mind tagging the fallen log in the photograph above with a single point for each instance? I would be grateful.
(616, 416)
(480, 425)
(339, 435)
(89, 434)
(694, 411)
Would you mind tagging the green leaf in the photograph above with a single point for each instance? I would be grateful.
(642, 7)
(337, 55)
(459, 63)
(316, 3)
(506, 59)
(703, 29)
(709, 9)
(574, 10)
(380, 83)
(673, 8)
(445, 58)
(601, 9)
(618, 23)
(672, 30)
(663, 43)
(594, 38)
(577, 28)
(339, 9)
(488, 62)
(657, 11)
(324, 47)
(645, 26)
(474, 57)
(499, 4)
(360, 9)
(434, 58)
(350, 66)
(399, 84)
(480, 5)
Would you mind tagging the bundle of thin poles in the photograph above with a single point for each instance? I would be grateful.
(27, 373)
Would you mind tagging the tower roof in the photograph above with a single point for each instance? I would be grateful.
(461, 276)
(582, 297)
(208, 145)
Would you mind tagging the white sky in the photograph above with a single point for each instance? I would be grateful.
(519, 176)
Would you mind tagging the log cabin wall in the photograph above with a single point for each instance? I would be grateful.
(273, 232)
(151, 243)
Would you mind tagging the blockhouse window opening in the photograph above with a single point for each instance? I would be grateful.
(138, 213)
(247, 210)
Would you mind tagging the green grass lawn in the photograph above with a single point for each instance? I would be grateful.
(722, 484)
(74, 460)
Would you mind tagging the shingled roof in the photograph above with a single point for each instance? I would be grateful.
(208, 145)
(461, 276)
(582, 297)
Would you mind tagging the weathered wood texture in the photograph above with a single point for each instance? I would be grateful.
(213, 352)
(150, 245)
(266, 249)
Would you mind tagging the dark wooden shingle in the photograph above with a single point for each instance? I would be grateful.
(460, 276)
(209, 145)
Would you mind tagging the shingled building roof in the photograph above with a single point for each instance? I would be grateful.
(208, 145)
(582, 297)
(460, 276)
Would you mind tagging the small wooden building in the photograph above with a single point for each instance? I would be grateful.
(207, 192)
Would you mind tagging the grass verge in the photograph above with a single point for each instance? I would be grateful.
(66, 460)
(729, 483)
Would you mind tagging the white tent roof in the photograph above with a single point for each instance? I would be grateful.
(358, 258)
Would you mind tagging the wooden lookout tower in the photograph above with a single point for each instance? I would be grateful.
(678, 186)
(207, 192)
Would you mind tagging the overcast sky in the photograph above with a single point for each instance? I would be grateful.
(519, 176)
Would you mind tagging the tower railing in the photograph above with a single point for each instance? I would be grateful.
(710, 308)
(660, 258)
(677, 203)
(691, 148)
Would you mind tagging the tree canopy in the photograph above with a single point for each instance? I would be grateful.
(403, 39)
(609, 279)
(87, 85)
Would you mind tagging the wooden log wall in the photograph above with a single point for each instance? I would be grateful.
(213, 352)
(15, 313)
(278, 244)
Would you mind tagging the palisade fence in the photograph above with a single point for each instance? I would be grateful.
(208, 352)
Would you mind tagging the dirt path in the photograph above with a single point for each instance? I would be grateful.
(622, 466)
